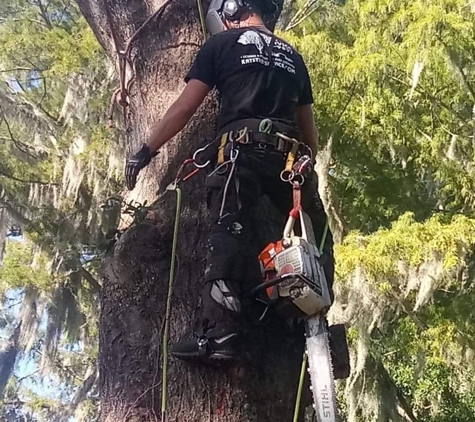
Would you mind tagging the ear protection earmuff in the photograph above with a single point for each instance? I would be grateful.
(220, 10)
(233, 9)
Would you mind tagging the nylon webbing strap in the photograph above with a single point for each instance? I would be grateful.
(297, 195)
(291, 157)
(224, 140)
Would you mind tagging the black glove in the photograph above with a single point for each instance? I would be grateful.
(136, 163)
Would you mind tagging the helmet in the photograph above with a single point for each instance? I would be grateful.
(232, 10)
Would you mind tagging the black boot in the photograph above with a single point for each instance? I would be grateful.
(217, 345)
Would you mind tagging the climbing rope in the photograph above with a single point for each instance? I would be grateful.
(298, 400)
(174, 186)
(171, 279)
(202, 19)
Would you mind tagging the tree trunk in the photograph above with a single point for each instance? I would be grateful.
(8, 356)
(135, 276)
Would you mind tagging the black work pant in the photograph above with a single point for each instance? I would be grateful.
(256, 173)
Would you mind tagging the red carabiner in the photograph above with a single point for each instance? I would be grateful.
(179, 178)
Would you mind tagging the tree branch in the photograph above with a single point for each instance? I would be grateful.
(13, 210)
(19, 69)
(347, 104)
(466, 81)
(91, 280)
(310, 7)
(429, 96)
(18, 144)
(29, 111)
(399, 394)
(453, 60)
(44, 13)
(18, 179)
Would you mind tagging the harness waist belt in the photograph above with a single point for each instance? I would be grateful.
(253, 125)
(278, 143)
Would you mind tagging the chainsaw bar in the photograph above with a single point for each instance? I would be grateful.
(320, 369)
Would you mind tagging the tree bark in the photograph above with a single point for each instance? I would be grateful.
(262, 386)
(336, 221)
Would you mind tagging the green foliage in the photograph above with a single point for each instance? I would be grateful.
(393, 84)
(49, 38)
(55, 173)
(19, 271)
(409, 243)
(394, 90)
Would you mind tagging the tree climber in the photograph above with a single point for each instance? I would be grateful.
(264, 88)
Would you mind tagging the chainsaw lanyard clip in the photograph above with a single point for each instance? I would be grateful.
(297, 171)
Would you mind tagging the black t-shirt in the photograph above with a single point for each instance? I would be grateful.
(237, 63)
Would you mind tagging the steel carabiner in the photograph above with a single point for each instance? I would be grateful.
(195, 156)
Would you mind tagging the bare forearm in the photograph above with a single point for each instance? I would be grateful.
(174, 121)
(307, 127)
(311, 139)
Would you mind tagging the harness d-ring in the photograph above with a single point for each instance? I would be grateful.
(287, 175)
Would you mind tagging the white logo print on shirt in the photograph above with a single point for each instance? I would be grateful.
(251, 37)
(279, 59)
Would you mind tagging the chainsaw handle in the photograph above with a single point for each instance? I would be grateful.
(278, 280)
(289, 226)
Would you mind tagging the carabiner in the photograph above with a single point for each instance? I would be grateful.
(301, 165)
(195, 156)
(178, 177)
(234, 154)
(265, 126)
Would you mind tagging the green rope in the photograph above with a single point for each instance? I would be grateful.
(169, 301)
(265, 126)
(300, 389)
(305, 356)
(202, 19)
(324, 237)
